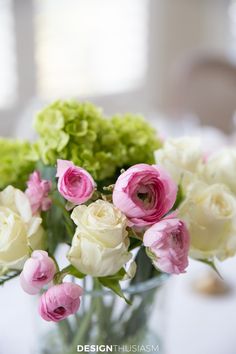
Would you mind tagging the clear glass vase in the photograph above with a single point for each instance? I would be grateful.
(106, 323)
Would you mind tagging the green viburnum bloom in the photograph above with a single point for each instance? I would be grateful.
(79, 132)
(14, 165)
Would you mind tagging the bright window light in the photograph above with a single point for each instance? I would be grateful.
(8, 78)
(90, 47)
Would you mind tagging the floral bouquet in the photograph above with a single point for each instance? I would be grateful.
(93, 183)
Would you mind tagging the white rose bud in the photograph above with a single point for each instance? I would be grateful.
(18, 229)
(180, 157)
(210, 214)
(100, 244)
(221, 168)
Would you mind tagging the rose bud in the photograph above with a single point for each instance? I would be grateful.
(38, 271)
(144, 194)
(60, 301)
(37, 193)
(168, 245)
(75, 184)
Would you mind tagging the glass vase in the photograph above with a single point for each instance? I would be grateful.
(106, 323)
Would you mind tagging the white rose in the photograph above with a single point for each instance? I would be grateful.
(180, 157)
(100, 244)
(221, 168)
(210, 214)
(18, 229)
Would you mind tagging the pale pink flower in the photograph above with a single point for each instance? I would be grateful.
(38, 271)
(60, 301)
(144, 193)
(75, 184)
(168, 244)
(37, 192)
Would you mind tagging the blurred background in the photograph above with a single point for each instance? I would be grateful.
(159, 57)
(174, 61)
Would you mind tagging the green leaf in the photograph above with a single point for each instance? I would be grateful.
(211, 264)
(179, 198)
(134, 243)
(150, 254)
(47, 172)
(8, 275)
(118, 276)
(136, 239)
(145, 268)
(57, 223)
(69, 270)
(73, 271)
(112, 283)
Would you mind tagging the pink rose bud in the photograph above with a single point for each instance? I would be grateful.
(74, 184)
(37, 192)
(60, 301)
(168, 244)
(144, 193)
(38, 271)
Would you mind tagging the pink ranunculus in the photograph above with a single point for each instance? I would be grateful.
(144, 193)
(168, 243)
(74, 184)
(60, 301)
(37, 192)
(38, 271)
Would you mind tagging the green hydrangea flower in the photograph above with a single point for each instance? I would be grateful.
(79, 132)
(14, 165)
(137, 139)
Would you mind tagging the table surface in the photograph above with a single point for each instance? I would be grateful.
(197, 323)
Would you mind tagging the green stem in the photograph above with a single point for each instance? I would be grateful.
(83, 302)
(66, 331)
(101, 313)
(8, 276)
(84, 327)
(69, 224)
(55, 261)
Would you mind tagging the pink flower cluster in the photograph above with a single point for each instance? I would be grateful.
(59, 301)
(145, 194)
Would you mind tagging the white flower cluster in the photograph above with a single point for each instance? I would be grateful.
(209, 186)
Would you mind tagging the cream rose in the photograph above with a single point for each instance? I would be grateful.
(18, 229)
(210, 214)
(100, 244)
(180, 157)
(221, 168)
